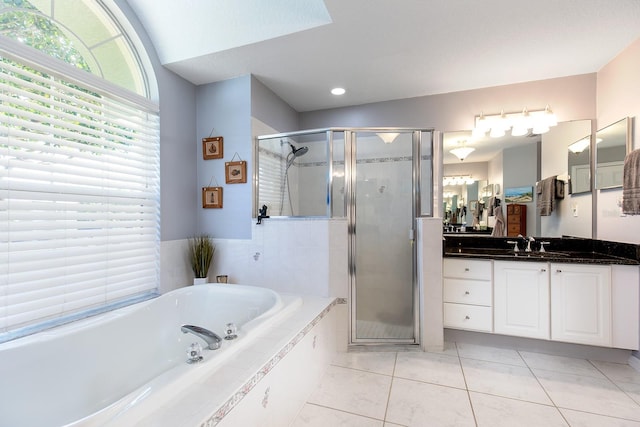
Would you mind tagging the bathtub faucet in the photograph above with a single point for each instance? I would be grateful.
(211, 338)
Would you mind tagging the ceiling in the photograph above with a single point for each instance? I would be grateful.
(385, 49)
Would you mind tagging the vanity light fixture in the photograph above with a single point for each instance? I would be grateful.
(457, 180)
(579, 146)
(388, 137)
(538, 121)
(463, 151)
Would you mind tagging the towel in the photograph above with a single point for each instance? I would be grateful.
(546, 195)
(499, 230)
(631, 183)
(559, 189)
(492, 205)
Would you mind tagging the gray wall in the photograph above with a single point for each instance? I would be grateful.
(570, 97)
(177, 142)
(270, 109)
(225, 108)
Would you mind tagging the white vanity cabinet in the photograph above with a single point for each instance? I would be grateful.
(581, 304)
(521, 299)
(467, 294)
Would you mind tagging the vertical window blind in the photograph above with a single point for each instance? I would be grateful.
(79, 199)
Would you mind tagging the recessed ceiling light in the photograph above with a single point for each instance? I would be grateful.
(338, 91)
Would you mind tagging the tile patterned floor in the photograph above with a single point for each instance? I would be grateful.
(472, 385)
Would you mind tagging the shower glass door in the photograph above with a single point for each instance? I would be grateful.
(381, 239)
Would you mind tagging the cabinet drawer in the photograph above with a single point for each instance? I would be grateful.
(467, 269)
(463, 316)
(513, 228)
(463, 291)
(513, 219)
(513, 209)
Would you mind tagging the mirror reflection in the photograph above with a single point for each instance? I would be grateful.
(509, 163)
(578, 164)
(611, 148)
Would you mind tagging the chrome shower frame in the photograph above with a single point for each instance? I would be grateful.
(350, 207)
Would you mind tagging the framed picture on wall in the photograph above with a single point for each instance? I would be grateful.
(212, 197)
(212, 148)
(236, 172)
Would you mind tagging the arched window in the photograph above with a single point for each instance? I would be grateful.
(81, 33)
(79, 166)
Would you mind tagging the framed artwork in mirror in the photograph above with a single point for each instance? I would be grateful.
(212, 148)
(212, 197)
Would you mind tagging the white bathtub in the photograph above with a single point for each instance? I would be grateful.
(94, 372)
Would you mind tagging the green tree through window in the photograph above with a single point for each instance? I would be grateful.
(21, 21)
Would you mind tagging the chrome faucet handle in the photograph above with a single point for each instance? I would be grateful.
(515, 243)
(542, 246)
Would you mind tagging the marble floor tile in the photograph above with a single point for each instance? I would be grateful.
(472, 385)
(588, 394)
(494, 411)
(430, 367)
(319, 416)
(632, 390)
(449, 349)
(563, 364)
(584, 419)
(378, 362)
(503, 380)
(618, 372)
(490, 354)
(350, 390)
(414, 404)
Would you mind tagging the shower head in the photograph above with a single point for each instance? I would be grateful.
(297, 152)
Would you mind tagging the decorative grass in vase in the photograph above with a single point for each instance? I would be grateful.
(201, 250)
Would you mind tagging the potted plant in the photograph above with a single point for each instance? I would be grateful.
(201, 250)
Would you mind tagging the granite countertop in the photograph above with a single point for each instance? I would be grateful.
(565, 249)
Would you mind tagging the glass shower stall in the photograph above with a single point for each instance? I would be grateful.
(381, 180)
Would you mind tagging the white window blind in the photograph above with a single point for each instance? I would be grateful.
(79, 198)
(272, 190)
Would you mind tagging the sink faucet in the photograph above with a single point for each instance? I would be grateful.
(211, 338)
(529, 240)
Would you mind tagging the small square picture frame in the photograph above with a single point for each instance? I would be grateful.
(212, 197)
(236, 172)
(212, 148)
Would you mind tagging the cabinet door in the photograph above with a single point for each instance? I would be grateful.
(581, 304)
(521, 299)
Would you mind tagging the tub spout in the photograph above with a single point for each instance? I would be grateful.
(211, 338)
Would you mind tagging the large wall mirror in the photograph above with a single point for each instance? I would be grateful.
(612, 145)
(517, 162)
